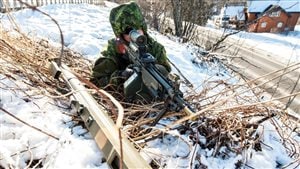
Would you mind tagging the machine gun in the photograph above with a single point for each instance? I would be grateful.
(159, 86)
(101, 126)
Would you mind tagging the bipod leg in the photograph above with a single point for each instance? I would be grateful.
(158, 117)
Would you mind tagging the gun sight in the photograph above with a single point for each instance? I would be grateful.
(138, 38)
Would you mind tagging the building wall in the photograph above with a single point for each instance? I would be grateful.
(271, 24)
(251, 17)
(292, 21)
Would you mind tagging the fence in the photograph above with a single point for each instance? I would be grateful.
(10, 5)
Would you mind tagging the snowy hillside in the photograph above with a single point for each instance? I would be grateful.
(86, 30)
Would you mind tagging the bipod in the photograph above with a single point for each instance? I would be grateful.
(159, 115)
(157, 118)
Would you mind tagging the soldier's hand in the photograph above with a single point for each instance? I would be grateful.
(120, 47)
(127, 73)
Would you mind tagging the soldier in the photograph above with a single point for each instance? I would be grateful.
(113, 68)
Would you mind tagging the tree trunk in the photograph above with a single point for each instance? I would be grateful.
(177, 16)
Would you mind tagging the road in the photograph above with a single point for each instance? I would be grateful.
(253, 63)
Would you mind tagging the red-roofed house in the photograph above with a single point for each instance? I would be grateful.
(273, 16)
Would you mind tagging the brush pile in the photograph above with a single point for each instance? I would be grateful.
(31, 58)
(229, 122)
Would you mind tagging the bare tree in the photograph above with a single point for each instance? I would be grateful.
(187, 15)
(177, 16)
(154, 12)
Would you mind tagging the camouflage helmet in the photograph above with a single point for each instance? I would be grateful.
(126, 15)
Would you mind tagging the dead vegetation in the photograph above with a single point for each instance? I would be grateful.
(229, 120)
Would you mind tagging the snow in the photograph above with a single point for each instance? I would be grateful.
(86, 29)
(287, 5)
(281, 47)
(284, 47)
(42, 112)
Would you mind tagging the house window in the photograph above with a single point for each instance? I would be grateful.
(264, 24)
(279, 25)
(275, 14)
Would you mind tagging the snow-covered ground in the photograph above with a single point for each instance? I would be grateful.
(282, 47)
(86, 29)
(41, 112)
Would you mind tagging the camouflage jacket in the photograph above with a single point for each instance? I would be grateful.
(108, 67)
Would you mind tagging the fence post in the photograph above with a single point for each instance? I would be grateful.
(14, 5)
(1, 5)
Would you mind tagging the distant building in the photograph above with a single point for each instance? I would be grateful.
(235, 12)
(272, 16)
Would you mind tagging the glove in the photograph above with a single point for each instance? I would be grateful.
(120, 47)
(127, 73)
